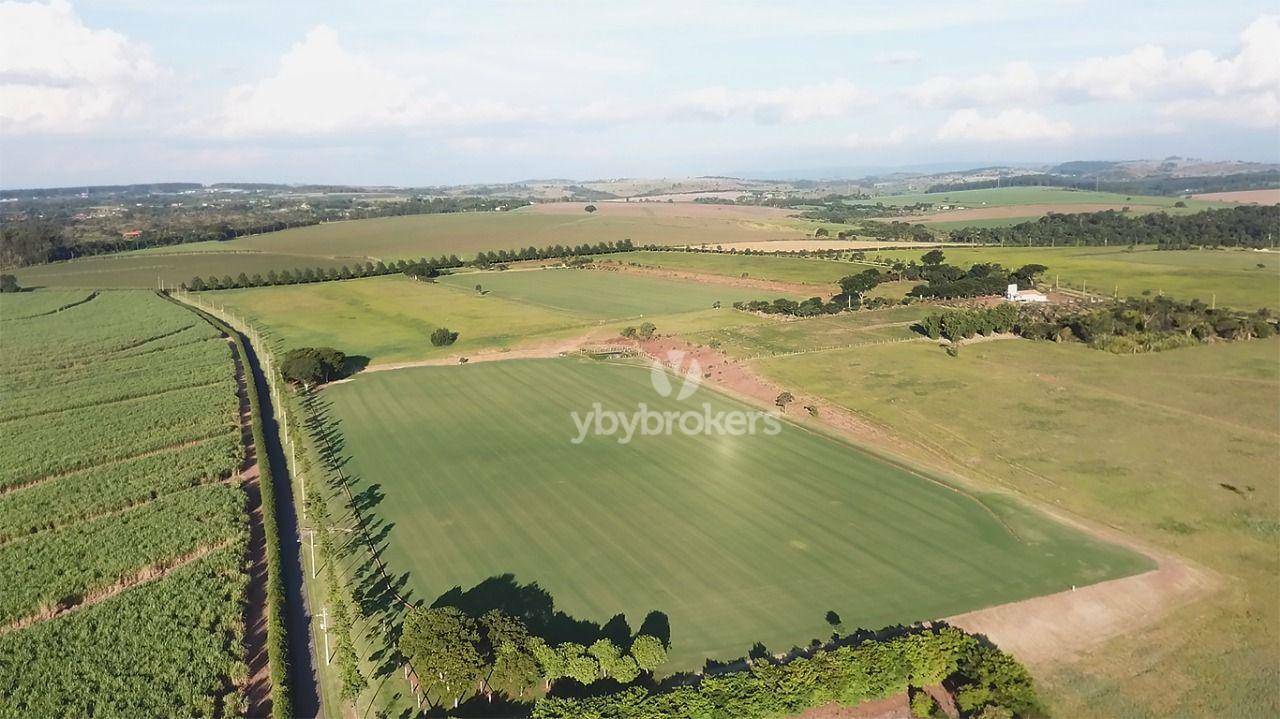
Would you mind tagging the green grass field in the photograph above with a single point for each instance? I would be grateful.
(824, 273)
(149, 269)
(1233, 276)
(1143, 443)
(390, 319)
(736, 539)
(603, 295)
(815, 333)
(1036, 196)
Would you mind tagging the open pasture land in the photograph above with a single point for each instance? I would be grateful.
(601, 294)
(147, 269)
(390, 319)
(823, 274)
(798, 245)
(655, 209)
(1178, 448)
(1034, 196)
(122, 528)
(1259, 197)
(736, 539)
(1233, 276)
(780, 336)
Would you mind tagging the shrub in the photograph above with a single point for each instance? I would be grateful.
(443, 337)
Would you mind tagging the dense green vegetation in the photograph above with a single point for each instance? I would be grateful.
(121, 544)
(1241, 226)
(986, 681)
(754, 571)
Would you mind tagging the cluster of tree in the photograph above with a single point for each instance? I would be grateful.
(987, 683)
(1134, 325)
(456, 656)
(645, 331)
(842, 210)
(897, 231)
(9, 283)
(312, 365)
(1142, 186)
(1243, 226)
(811, 307)
(443, 337)
(61, 229)
(421, 269)
(943, 281)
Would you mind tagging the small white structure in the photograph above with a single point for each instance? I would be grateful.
(1013, 294)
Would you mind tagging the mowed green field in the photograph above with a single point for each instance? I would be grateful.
(1233, 277)
(1179, 448)
(390, 319)
(138, 270)
(891, 324)
(600, 294)
(1036, 196)
(823, 273)
(736, 539)
(334, 244)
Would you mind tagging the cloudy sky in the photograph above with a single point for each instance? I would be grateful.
(445, 92)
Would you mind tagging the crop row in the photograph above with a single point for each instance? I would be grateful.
(163, 649)
(112, 322)
(111, 487)
(59, 568)
(115, 380)
(25, 305)
(44, 445)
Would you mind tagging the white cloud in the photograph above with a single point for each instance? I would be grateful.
(1258, 110)
(901, 57)
(893, 138)
(59, 76)
(1014, 125)
(791, 105)
(323, 88)
(1147, 73)
(1016, 82)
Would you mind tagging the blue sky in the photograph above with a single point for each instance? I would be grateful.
(426, 93)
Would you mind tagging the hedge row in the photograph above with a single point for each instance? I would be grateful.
(277, 608)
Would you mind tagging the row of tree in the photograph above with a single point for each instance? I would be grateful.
(455, 656)
(987, 683)
(424, 268)
(1142, 324)
(1243, 226)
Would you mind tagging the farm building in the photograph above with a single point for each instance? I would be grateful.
(1013, 294)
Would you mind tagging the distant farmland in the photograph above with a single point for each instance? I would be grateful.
(735, 540)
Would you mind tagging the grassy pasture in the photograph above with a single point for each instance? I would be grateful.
(1233, 275)
(603, 295)
(736, 539)
(816, 333)
(1143, 443)
(147, 269)
(1035, 196)
(823, 273)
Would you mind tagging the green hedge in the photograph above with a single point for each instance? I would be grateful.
(981, 675)
(277, 608)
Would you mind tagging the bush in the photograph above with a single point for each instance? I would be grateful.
(312, 365)
(442, 337)
(9, 283)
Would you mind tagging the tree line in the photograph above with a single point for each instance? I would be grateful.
(1244, 226)
(456, 656)
(424, 268)
(48, 233)
(987, 683)
(1143, 186)
(1140, 324)
(941, 281)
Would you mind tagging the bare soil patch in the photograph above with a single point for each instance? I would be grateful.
(663, 209)
(894, 707)
(1257, 197)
